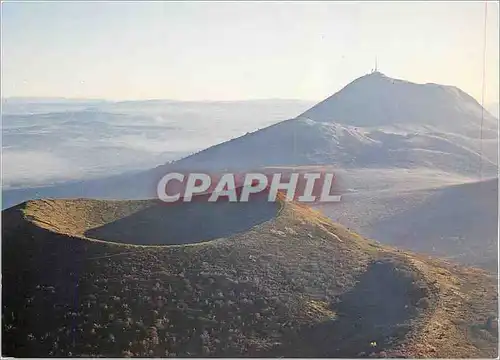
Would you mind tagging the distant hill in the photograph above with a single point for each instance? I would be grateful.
(292, 284)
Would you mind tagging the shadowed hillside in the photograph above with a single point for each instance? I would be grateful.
(473, 240)
(457, 221)
(295, 285)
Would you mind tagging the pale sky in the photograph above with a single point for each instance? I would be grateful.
(236, 51)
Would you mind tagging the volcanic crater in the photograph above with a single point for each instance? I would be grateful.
(277, 279)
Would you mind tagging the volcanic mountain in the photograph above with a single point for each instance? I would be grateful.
(121, 278)
(373, 122)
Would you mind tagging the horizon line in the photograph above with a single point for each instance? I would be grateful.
(146, 99)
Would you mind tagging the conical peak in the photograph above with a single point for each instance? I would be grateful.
(375, 99)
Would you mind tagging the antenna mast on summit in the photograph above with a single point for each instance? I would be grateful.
(376, 67)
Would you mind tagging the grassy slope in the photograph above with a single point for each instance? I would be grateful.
(297, 285)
